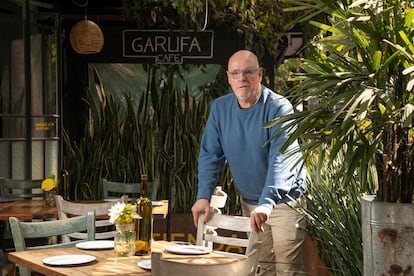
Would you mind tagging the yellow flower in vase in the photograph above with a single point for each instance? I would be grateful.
(49, 186)
(49, 183)
(124, 238)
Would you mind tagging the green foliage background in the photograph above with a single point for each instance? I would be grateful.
(124, 135)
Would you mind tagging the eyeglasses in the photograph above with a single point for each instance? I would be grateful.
(248, 73)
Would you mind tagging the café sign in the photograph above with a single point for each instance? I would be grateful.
(168, 47)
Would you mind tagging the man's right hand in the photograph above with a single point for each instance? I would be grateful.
(201, 206)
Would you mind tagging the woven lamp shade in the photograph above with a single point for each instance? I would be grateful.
(86, 37)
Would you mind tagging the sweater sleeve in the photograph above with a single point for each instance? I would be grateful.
(211, 157)
(284, 167)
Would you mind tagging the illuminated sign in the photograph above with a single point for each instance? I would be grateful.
(168, 47)
(44, 126)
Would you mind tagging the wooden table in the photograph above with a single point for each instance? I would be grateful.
(36, 209)
(106, 263)
(28, 210)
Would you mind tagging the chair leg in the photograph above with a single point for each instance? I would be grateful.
(155, 263)
(2, 233)
(9, 270)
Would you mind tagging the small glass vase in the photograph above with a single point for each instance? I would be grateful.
(124, 240)
(50, 198)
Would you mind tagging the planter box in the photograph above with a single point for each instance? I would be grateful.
(387, 237)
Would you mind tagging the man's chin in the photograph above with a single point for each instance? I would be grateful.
(243, 97)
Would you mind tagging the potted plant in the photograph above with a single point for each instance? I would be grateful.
(357, 85)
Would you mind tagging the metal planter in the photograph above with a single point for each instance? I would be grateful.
(387, 237)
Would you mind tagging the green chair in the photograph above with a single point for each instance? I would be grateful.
(12, 189)
(115, 189)
(23, 231)
(21, 189)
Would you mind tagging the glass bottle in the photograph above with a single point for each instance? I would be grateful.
(143, 225)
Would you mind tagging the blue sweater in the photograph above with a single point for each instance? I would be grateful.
(260, 172)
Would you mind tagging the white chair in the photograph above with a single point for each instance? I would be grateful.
(104, 228)
(208, 234)
(23, 231)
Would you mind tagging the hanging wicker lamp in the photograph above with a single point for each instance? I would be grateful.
(86, 37)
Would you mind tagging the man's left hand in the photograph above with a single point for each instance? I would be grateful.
(258, 217)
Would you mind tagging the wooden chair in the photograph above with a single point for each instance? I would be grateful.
(208, 234)
(26, 230)
(104, 228)
(115, 189)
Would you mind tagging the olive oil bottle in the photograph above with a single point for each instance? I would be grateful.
(143, 225)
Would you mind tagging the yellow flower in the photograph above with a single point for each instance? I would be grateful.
(49, 183)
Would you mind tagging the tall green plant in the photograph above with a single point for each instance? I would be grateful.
(180, 127)
(125, 140)
(333, 215)
(131, 151)
(358, 83)
(87, 156)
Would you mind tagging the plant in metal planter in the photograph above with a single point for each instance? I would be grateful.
(333, 215)
(358, 82)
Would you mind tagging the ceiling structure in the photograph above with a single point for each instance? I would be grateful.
(68, 9)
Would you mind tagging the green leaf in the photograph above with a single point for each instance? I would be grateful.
(377, 60)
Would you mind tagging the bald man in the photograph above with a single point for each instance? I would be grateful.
(265, 178)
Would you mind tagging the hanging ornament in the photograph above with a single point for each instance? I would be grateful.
(86, 37)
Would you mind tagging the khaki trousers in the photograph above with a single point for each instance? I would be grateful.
(280, 251)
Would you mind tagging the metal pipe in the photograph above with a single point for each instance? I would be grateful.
(27, 87)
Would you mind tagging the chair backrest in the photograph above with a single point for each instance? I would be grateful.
(104, 228)
(115, 189)
(208, 233)
(22, 231)
(23, 189)
(244, 265)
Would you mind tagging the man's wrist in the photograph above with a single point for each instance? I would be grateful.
(264, 209)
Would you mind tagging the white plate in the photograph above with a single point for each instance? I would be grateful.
(188, 249)
(63, 260)
(145, 264)
(101, 244)
(157, 203)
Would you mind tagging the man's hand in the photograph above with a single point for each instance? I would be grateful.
(258, 217)
(201, 206)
